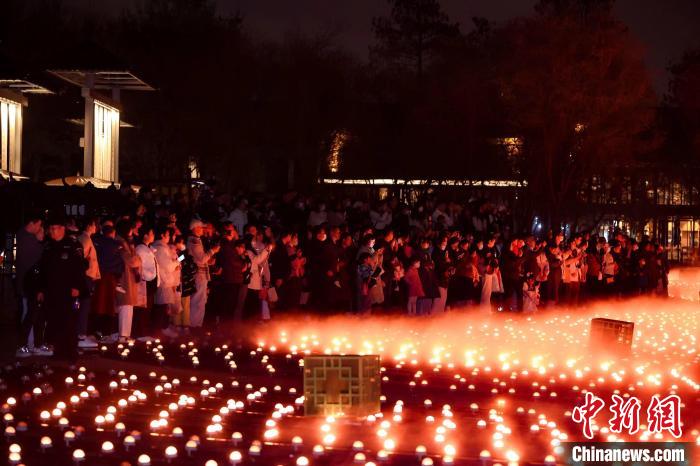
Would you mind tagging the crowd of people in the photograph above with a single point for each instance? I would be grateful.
(156, 266)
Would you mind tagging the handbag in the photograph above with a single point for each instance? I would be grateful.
(272, 295)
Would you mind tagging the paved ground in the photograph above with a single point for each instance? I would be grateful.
(442, 403)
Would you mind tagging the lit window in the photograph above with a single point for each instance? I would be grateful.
(106, 142)
(10, 135)
(194, 170)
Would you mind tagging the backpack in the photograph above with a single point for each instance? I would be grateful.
(188, 273)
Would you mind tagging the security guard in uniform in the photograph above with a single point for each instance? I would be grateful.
(61, 282)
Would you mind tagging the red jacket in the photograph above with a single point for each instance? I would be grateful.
(413, 283)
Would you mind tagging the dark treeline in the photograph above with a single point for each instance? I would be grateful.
(568, 80)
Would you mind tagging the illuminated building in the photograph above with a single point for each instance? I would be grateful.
(100, 141)
(11, 134)
(12, 102)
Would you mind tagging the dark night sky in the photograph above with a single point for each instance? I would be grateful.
(666, 27)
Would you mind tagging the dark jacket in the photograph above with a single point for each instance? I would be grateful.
(232, 264)
(280, 263)
(29, 251)
(61, 269)
(109, 256)
(512, 266)
(429, 280)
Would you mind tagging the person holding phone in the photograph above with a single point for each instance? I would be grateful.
(167, 300)
(235, 273)
(201, 257)
(259, 280)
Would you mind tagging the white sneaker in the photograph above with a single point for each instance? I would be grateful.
(87, 342)
(43, 351)
(24, 352)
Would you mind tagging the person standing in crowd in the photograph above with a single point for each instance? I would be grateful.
(594, 271)
(572, 275)
(202, 258)
(318, 272)
(280, 268)
(542, 267)
(151, 320)
(664, 268)
(529, 258)
(492, 284)
(555, 259)
(442, 262)
(29, 249)
(466, 277)
(429, 282)
(531, 294)
(512, 270)
(111, 264)
(188, 285)
(127, 286)
(259, 242)
(297, 275)
(62, 281)
(167, 298)
(92, 276)
(235, 274)
(609, 270)
(259, 281)
(363, 283)
(414, 286)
